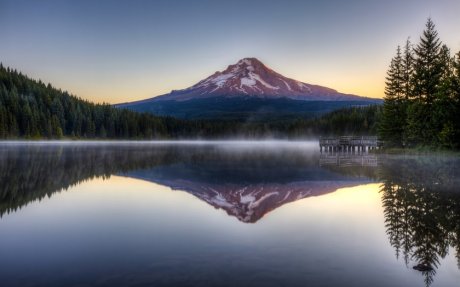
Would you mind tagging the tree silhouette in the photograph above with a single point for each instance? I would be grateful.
(421, 105)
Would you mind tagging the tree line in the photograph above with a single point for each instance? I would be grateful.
(422, 95)
(31, 109)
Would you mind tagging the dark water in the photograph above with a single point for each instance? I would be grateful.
(225, 214)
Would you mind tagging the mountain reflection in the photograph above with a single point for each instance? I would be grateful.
(249, 183)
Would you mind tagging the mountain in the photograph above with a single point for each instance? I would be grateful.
(248, 90)
(251, 77)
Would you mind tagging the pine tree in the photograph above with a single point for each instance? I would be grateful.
(447, 77)
(456, 77)
(444, 104)
(421, 128)
(407, 82)
(393, 118)
(456, 99)
(427, 66)
(407, 69)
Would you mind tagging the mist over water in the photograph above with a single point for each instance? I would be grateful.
(230, 142)
(227, 213)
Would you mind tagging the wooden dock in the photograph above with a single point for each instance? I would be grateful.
(349, 144)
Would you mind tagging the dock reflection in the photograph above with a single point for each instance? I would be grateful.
(348, 159)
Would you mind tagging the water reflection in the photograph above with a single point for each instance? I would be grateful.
(29, 173)
(348, 159)
(421, 202)
(247, 182)
(419, 195)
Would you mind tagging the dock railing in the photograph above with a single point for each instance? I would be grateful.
(349, 143)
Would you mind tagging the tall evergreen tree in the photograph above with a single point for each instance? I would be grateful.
(421, 128)
(427, 66)
(444, 104)
(456, 77)
(407, 74)
(407, 69)
(456, 98)
(393, 117)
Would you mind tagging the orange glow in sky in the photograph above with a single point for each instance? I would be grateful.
(121, 51)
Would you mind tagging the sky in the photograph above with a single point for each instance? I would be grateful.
(120, 51)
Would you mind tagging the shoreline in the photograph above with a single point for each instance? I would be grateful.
(159, 142)
(236, 142)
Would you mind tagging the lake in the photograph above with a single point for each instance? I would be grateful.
(225, 214)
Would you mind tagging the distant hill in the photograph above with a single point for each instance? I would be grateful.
(248, 90)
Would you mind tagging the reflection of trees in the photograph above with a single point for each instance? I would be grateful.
(422, 210)
(31, 173)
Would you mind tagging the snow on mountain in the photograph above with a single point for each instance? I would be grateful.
(250, 77)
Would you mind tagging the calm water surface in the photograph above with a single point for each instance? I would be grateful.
(225, 214)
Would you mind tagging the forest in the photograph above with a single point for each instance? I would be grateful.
(31, 109)
(422, 95)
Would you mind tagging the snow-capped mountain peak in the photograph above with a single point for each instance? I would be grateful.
(250, 77)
